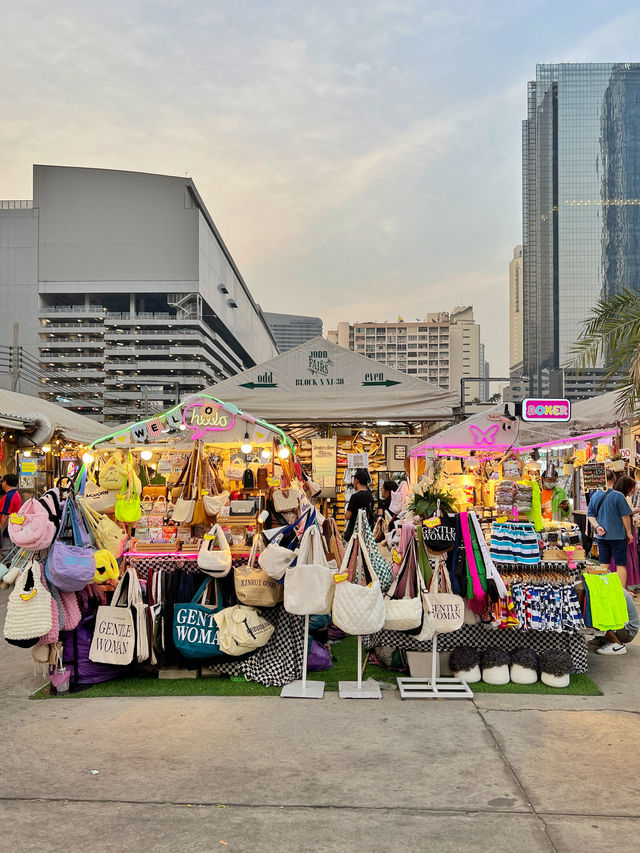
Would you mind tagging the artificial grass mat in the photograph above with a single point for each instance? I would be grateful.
(344, 656)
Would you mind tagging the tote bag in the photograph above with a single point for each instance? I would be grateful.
(404, 613)
(195, 632)
(379, 565)
(128, 502)
(448, 609)
(358, 609)
(108, 535)
(114, 637)
(309, 584)
(253, 585)
(214, 556)
(31, 527)
(99, 498)
(28, 614)
(275, 559)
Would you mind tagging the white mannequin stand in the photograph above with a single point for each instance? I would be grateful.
(356, 689)
(434, 687)
(303, 689)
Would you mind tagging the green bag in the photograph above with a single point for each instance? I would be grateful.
(128, 507)
(424, 563)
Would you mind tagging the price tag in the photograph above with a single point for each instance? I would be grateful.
(502, 520)
(14, 518)
(432, 522)
(396, 556)
(209, 536)
(340, 576)
(204, 492)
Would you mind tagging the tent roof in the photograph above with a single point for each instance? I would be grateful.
(320, 381)
(596, 413)
(47, 417)
(489, 431)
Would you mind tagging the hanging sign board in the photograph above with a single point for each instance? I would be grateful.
(323, 464)
(546, 411)
(28, 467)
(397, 448)
(594, 476)
(357, 460)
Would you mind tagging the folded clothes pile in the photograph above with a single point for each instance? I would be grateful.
(505, 496)
(524, 497)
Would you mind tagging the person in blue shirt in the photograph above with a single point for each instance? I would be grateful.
(610, 514)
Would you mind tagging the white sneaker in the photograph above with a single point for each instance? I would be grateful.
(612, 649)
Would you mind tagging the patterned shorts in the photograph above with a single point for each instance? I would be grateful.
(515, 543)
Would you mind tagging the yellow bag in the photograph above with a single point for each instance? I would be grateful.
(106, 567)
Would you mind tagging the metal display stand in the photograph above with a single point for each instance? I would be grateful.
(356, 689)
(436, 687)
(303, 689)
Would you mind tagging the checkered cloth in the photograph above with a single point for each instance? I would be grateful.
(479, 637)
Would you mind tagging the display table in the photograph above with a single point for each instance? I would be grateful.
(480, 636)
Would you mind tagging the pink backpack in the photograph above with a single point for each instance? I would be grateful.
(36, 530)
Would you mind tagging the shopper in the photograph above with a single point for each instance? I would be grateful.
(10, 501)
(360, 499)
(615, 642)
(610, 514)
(633, 570)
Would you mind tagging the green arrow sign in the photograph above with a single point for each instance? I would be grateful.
(253, 385)
(387, 383)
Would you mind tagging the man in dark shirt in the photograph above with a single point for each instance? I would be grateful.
(360, 499)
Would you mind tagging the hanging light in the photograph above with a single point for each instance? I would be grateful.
(266, 453)
(246, 444)
(283, 452)
(147, 455)
(153, 466)
(87, 458)
(26, 453)
(46, 448)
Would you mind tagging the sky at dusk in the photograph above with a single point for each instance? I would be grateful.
(361, 159)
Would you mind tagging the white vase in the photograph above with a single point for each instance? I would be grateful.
(496, 674)
(522, 674)
(555, 680)
(469, 675)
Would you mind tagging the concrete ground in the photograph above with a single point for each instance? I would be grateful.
(497, 773)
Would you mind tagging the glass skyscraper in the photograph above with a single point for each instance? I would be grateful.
(581, 210)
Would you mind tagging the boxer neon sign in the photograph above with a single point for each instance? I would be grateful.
(206, 417)
(546, 410)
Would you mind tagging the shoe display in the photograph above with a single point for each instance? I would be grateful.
(612, 649)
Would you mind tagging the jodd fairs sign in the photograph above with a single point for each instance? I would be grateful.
(205, 416)
(546, 410)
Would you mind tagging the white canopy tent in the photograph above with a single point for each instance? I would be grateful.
(41, 418)
(597, 413)
(320, 381)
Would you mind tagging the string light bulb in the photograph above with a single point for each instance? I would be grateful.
(147, 455)
(284, 452)
(87, 458)
(266, 453)
(246, 444)
(26, 453)
(46, 448)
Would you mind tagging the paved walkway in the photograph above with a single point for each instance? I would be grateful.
(498, 773)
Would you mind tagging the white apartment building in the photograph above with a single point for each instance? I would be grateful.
(124, 293)
(441, 349)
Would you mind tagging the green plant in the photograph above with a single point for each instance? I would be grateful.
(425, 505)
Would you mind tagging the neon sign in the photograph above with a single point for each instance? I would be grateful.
(202, 417)
(543, 411)
(484, 439)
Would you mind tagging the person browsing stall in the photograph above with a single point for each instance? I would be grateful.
(610, 514)
(360, 499)
(10, 501)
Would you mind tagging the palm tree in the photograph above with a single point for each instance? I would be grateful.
(612, 334)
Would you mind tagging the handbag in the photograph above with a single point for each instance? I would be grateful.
(248, 479)
(234, 471)
(253, 585)
(28, 614)
(358, 609)
(424, 563)
(442, 537)
(262, 478)
(286, 500)
(99, 498)
(214, 556)
(128, 503)
(404, 613)
(106, 566)
(109, 536)
(309, 584)
(275, 559)
(70, 567)
(195, 632)
(31, 527)
(242, 629)
(214, 503)
(114, 637)
(154, 492)
(448, 609)
(379, 564)
(113, 474)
